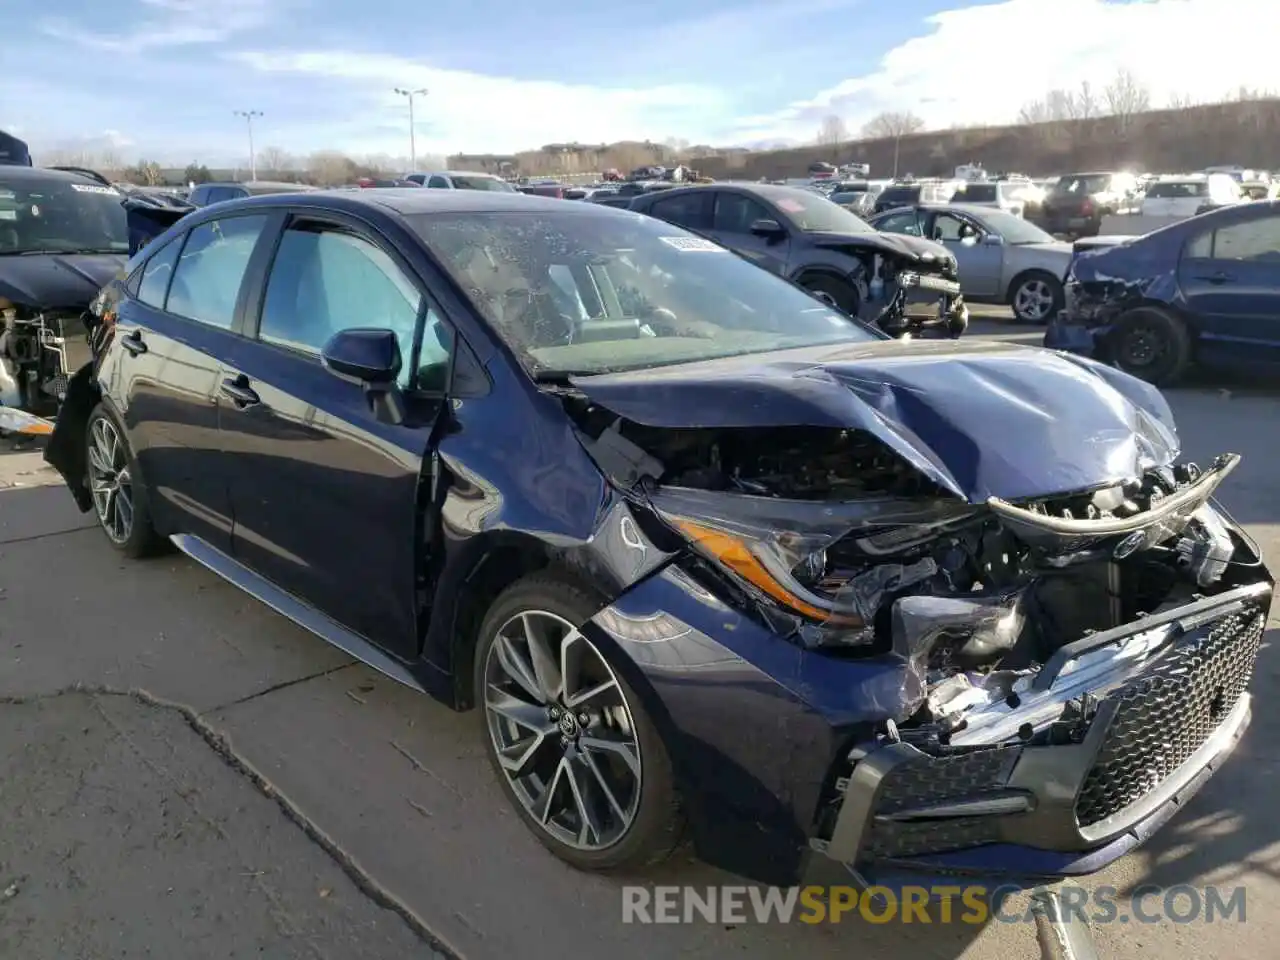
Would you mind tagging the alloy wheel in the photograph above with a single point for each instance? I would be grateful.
(562, 731)
(1033, 301)
(1141, 347)
(110, 481)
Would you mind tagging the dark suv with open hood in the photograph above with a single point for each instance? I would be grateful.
(705, 554)
(900, 284)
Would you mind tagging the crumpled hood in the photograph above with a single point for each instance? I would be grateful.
(913, 248)
(979, 419)
(57, 281)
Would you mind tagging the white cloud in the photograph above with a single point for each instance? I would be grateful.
(982, 64)
(171, 23)
(473, 112)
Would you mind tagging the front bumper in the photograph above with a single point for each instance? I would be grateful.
(1072, 335)
(1040, 812)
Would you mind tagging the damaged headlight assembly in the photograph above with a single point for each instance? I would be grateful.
(802, 556)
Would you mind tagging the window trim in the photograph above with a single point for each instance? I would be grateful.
(134, 285)
(1213, 232)
(252, 268)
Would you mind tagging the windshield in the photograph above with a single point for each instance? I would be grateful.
(813, 212)
(1178, 189)
(1015, 230)
(977, 193)
(483, 183)
(903, 196)
(60, 216)
(594, 292)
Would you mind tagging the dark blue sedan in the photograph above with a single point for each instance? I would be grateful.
(708, 557)
(1205, 291)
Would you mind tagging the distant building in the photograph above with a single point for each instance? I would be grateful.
(499, 164)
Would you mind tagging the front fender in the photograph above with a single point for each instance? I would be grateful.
(65, 451)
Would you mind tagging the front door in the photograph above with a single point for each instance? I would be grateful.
(980, 263)
(325, 494)
(731, 221)
(1230, 278)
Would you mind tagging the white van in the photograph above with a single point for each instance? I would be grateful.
(1188, 196)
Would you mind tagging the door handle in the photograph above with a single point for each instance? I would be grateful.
(133, 342)
(1217, 278)
(237, 389)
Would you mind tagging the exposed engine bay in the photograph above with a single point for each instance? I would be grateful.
(847, 548)
(902, 296)
(39, 350)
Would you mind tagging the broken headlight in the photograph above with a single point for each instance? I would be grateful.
(780, 548)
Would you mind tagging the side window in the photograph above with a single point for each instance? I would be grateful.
(207, 278)
(325, 279)
(904, 222)
(948, 227)
(156, 274)
(684, 210)
(439, 182)
(735, 213)
(1253, 240)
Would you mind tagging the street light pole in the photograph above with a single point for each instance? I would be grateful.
(248, 119)
(413, 146)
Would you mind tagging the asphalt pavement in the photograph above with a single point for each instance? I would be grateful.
(183, 773)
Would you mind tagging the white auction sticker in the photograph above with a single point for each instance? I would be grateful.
(693, 244)
(86, 188)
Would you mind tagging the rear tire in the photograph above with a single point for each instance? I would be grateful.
(116, 487)
(834, 293)
(1151, 344)
(582, 764)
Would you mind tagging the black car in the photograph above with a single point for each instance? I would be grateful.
(908, 194)
(710, 558)
(801, 235)
(1078, 201)
(63, 236)
(203, 194)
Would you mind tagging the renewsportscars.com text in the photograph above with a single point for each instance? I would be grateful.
(972, 904)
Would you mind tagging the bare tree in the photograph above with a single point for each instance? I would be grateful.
(1083, 105)
(1181, 101)
(1126, 97)
(329, 168)
(832, 132)
(274, 160)
(892, 124)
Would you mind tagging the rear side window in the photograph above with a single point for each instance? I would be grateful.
(977, 193)
(156, 274)
(1176, 190)
(684, 210)
(1254, 240)
(207, 278)
(440, 183)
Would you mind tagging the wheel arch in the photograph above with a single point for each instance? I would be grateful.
(65, 451)
(1018, 278)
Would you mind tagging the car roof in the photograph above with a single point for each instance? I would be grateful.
(407, 201)
(37, 174)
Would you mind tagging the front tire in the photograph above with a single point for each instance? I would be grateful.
(1036, 297)
(1151, 344)
(569, 739)
(116, 488)
(834, 293)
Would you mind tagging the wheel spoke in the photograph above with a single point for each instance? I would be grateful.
(544, 659)
(586, 697)
(543, 806)
(589, 761)
(517, 668)
(590, 830)
(624, 750)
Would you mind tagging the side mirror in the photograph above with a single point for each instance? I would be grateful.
(767, 228)
(993, 240)
(368, 356)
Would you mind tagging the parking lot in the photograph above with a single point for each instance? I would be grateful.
(259, 794)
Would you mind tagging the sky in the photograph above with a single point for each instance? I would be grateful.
(163, 79)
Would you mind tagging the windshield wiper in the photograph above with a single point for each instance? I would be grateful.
(56, 251)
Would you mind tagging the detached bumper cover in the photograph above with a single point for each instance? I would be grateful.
(1071, 807)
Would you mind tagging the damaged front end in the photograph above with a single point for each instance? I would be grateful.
(905, 286)
(1071, 664)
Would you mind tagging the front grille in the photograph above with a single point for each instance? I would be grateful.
(936, 780)
(1168, 712)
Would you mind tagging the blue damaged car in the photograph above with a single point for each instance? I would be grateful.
(1202, 292)
(707, 557)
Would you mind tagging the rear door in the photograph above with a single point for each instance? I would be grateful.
(184, 317)
(1230, 278)
(324, 492)
(690, 209)
(732, 216)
